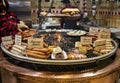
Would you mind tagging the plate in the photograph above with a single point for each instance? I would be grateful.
(76, 33)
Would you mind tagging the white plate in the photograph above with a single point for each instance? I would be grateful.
(76, 33)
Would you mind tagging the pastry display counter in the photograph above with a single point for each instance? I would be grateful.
(73, 58)
(59, 56)
(94, 68)
(17, 74)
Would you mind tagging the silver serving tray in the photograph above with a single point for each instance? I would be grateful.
(60, 62)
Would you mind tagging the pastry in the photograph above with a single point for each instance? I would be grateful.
(105, 51)
(73, 10)
(41, 49)
(78, 44)
(17, 49)
(57, 50)
(31, 54)
(83, 50)
(58, 53)
(98, 48)
(74, 56)
(14, 52)
(99, 43)
(35, 52)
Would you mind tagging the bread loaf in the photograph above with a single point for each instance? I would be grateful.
(66, 10)
(31, 54)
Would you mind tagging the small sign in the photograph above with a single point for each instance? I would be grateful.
(35, 42)
(18, 39)
(86, 40)
(7, 40)
(104, 36)
(104, 30)
(93, 30)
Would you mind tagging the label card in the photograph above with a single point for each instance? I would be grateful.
(7, 40)
(35, 42)
(18, 39)
(104, 33)
(104, 30)
(93, 30)
(104, 36)
(86, 40)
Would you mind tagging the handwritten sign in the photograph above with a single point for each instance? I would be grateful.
(18, 39)
(7, 40)
(35, 42)
(86, 40)
(104, 35)
(104, 30)
(93, 30)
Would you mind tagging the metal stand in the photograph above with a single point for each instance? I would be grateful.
(42, 18)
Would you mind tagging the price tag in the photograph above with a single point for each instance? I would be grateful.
(104, 30)
(35, 42)
(86, 40)
(93, 30)
(7, 40)
(104, 35)
(18, 39)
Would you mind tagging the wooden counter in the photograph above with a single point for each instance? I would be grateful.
(14, 74)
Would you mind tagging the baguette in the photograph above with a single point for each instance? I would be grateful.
(30, 54)
(35, 52)
(41, 49)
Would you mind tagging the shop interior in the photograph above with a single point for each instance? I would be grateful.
(60, 41)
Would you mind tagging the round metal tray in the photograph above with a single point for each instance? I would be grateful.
(60, 62)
